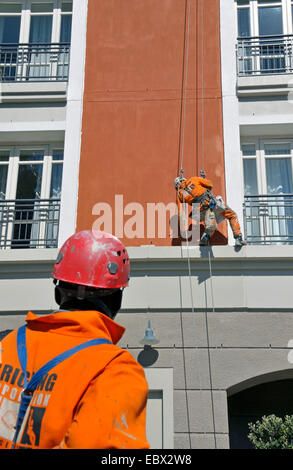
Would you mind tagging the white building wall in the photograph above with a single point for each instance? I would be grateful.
(233, 168)
(72, 145)
(237, 333)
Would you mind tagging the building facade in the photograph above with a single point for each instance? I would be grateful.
(101, 105)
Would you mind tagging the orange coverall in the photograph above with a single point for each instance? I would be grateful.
(195, 187)
(96, 399)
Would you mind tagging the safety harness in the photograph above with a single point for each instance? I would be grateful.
(206, 199)
(30, 387)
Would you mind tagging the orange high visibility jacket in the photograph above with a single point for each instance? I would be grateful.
(96, 399)
(192, 188)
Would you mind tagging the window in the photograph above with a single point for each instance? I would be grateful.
(250, 178)
(9, 29)
(66, 20)
(30, 21)
(244, 21)
(34, 40)
(270, 20)
(268, 189)
(31, 172)
(263, 41)
(267, 167)
(263, 18)
(30, 191)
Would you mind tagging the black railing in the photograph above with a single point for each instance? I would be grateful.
(34, 62)
(30, 223)
(269, 219)
(265, 55)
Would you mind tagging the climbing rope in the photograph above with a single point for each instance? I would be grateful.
(202, 88)
(209, 249)
(185, 75)
(208, 344)
(181, 153)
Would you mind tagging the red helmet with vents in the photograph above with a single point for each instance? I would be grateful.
(93, 258)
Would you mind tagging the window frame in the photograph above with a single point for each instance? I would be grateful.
(261, 158)
(253, 7)
(14, 163)
(161, 380)
(270, 221)
(26, 15)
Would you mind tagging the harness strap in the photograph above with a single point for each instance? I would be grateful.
(203, 197)
(30, 387)
(205, 200)
(22, 353)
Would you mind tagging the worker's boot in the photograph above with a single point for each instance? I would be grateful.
(239, 241)
(205, 239)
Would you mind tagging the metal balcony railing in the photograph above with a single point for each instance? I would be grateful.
(34, 62)
(269, 219)
(265, 55)
(29, 223)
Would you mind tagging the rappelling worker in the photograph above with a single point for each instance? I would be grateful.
(197, 190)
(65, 384)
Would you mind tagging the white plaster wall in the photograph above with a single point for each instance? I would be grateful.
(233, 164)
(201, 355)
(258, 277)
(73, 121)
(22, 115)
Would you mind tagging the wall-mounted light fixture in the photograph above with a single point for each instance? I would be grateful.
(149, 338)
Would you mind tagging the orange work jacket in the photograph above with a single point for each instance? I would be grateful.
(96, 399)
(192, 188)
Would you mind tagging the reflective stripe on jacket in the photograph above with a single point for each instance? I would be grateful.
(96, 399)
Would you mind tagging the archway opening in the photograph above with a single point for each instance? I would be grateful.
(251, 404)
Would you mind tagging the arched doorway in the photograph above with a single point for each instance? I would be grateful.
(251, 404)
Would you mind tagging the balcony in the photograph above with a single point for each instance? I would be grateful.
(264, 55)
(34, 72)
(34, 62)
(265, 66)
(268, 219)
(29, 223)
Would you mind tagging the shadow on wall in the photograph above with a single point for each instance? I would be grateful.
(148, 356)
(217, 239)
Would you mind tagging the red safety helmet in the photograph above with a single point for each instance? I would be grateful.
(93, 258)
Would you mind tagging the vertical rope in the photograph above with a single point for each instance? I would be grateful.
(182, 91)
(209, 355)
(203, 168)
(181, 321)
(181, 156)
(185, 74)
(202, 88)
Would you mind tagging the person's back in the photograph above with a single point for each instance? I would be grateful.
(94, 399)
(192, 188)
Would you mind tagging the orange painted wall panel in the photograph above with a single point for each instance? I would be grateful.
(143, 99)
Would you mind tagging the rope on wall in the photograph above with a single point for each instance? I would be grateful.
(209, 249)
(181, 170)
